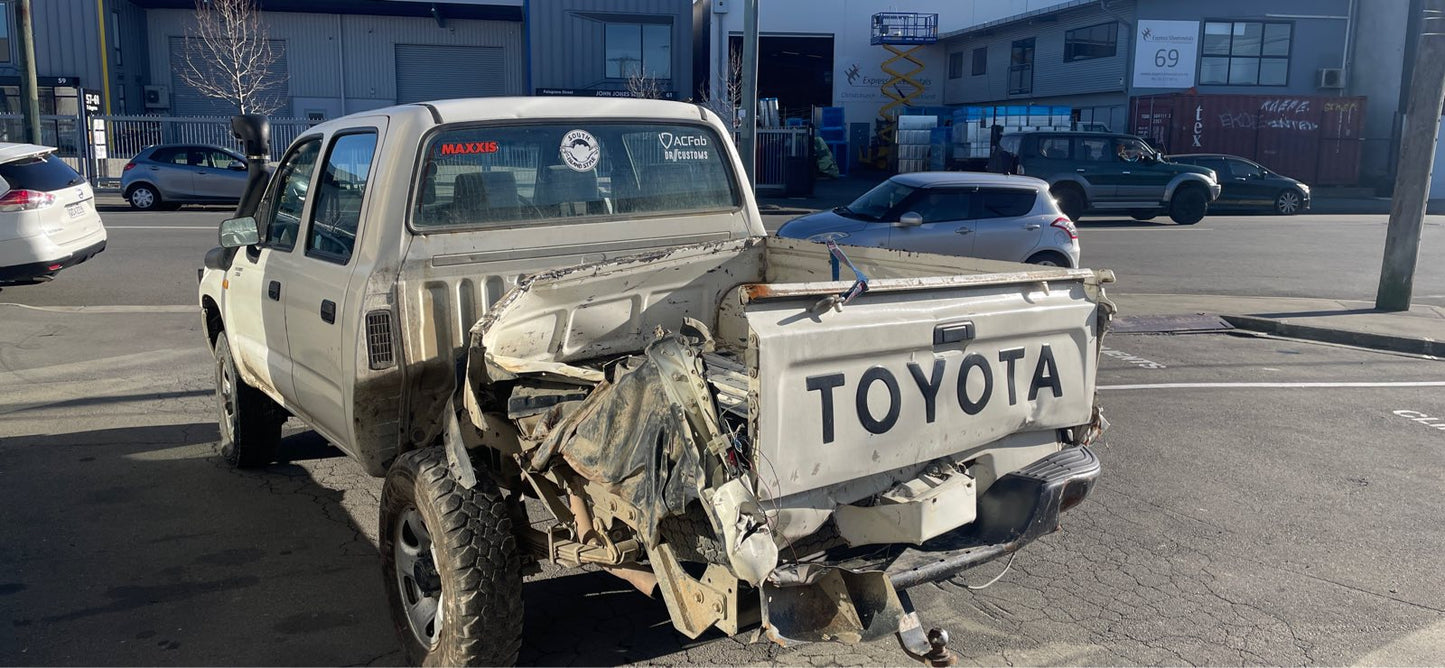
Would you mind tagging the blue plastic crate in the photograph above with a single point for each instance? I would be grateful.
(831, 117)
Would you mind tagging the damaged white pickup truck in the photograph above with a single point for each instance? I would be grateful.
(573, 303)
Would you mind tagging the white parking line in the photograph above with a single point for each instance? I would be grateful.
(1211, 386)
(161, 227)
(1086, 228)
(127, 308)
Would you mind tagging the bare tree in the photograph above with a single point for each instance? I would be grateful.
(643, 85)
(730, 92)
(228, 56)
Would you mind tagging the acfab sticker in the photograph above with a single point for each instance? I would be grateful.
(466, 147)
(683, 147)
(580, 150)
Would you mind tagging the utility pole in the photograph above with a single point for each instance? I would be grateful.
(1417, 155)
(747, 132)
(29, 91)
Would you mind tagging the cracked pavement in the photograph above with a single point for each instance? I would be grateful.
(1230, 527)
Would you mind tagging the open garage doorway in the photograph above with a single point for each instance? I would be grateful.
(796, 69)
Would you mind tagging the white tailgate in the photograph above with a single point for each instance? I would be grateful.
(875, 339)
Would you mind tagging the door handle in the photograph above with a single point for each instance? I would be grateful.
(273, 290)
(1125, 172)
(1080, 170)
(328, 311)
(953, 333)
(963, 230)
(1031, 226)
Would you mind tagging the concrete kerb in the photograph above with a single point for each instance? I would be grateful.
(1372, 340)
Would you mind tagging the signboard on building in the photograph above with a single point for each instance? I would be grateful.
(575, 92)
(1165, 54)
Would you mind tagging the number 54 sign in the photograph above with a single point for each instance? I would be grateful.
(1165, 53)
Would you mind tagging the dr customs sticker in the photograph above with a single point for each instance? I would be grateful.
(682, 147)
(580, 150)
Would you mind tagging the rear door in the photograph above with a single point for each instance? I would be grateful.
(946, 229)
(318, 313)
(1003, 228)
(1095, 161)
(169, 169)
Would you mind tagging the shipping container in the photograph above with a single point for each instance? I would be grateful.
(1315, 139)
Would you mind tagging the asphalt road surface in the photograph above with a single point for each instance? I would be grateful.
(1264, 501)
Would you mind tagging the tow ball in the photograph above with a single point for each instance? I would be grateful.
(931, 648)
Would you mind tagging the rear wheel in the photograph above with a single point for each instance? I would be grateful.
(452, 572)
(1048, 259)
(1189, 205)
(1288, 203)
(144, 197)
(1071, 201)
(250, 421)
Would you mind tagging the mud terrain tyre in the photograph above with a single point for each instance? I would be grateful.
(449, 559)
(250, 421)
(1189, 205)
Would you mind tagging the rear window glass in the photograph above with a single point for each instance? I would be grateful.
(39, 173)
(506, 175)
(1005, 203)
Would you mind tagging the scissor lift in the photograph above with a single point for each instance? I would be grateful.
(901, 34)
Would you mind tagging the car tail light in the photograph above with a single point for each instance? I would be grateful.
(1066, 225)
(25, 200)
(128, 166)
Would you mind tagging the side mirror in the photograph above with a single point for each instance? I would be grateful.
(910, 219)
(236, 166)
(237, 232)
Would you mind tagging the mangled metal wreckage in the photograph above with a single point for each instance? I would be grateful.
(766, 431)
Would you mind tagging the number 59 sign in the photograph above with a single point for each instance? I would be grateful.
(1165, 54)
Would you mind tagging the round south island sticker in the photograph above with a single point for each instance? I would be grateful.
(580, 150)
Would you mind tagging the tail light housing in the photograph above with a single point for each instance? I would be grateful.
(128, 166)
(25, 200)
(1065, 225)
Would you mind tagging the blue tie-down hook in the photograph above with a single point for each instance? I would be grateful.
(860, 280)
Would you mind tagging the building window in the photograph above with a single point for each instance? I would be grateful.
(1245, 53)
(1100, 41)
(955, 65)
(639, 48)
(1021, 67)
(980, 61)
(5, 32)
(115, 39)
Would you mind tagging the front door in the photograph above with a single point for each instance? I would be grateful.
(1143, 177)
(214, 178)
(260, 275)
(319, 314)
(946, 229)
(1095, 162)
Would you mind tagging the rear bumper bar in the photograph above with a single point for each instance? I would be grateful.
(33, 270)
(1019, 508)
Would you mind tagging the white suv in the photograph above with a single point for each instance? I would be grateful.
(47, 215)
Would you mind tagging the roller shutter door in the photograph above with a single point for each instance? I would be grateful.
(187, 101)
(427, 72)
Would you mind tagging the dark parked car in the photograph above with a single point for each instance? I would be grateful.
(1249, 185)
(1100, 173)
(169, 175)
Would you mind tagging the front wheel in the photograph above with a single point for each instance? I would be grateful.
(452, 573)
(250, 421)
(1189, 205)
(1288, 203)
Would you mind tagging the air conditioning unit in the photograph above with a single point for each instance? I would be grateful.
(157, 97)
(1332, 77)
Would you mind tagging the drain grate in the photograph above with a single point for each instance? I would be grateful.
(1168, 324)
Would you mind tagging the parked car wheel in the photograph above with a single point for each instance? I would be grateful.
(1189, 205)
(449, 558)
(1071, 200)
(250, 421)
(1143, 214)
(144, 197)
(1048, 259)
(1288, 202)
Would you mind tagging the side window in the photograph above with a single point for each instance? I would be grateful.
(219, 159)
(337, 211)
(169, 155)
(937, 206)
(1010, 143)
(281, 211)
(1005, 203)
(1093, 149)
(1054, 148)
(1242, 170)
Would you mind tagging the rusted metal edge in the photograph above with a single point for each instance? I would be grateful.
(751, 292)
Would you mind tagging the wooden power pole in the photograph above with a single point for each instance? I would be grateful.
(29, 91)
(1417, 156)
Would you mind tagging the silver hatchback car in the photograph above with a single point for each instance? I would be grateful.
(990, 216)
(173, 174)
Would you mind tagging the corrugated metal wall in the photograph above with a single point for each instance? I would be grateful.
(187, 101)
(69, 46)
(317, 46)
(578, 24)
(475, 73)
(1052, 76)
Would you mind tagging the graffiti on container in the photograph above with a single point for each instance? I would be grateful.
(1285, 106)
(1292, 124)
(1242, 119)
(1343, 107)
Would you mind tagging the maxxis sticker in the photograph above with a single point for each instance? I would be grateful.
(580, 150)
